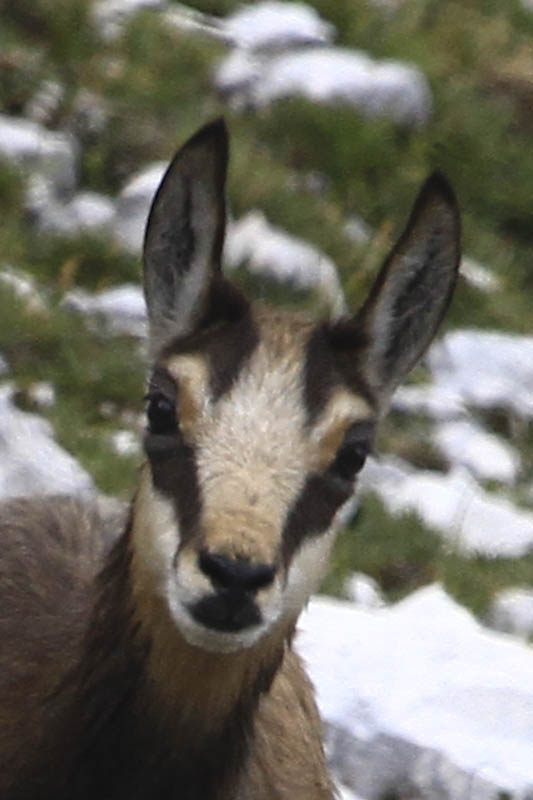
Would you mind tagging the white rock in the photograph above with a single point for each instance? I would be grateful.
(346, 794)
(479, 276)
(185, 18)
(133, 205)
(272, 24)
(512, 611)
(433, 400)
(35, 148)
(31, 462)
(363, 591)
(92, 211)
(45, 102)
(110, 16)
(330, 75)
(383, 474)
(488, 369)
(356, 230)
(125, 443)
(24, 288)
(237, 74)
(85, 212)
(123, 307)
(486, 455)
(472, 520)
(421, 698)
(270, 252)
(43, 394)
(90, 114)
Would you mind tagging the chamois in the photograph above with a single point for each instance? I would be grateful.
(154, 658)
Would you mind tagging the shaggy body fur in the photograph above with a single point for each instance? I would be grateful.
(94, 723)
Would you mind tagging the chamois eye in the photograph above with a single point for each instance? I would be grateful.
(161, 413)
(352, 454)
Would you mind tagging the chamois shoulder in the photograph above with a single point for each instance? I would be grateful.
(72, 532)
(52, 549)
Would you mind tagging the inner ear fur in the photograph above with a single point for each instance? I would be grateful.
(185, 235)
(412, 290)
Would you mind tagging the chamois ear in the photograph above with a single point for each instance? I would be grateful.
(413, 289)
(185, 234)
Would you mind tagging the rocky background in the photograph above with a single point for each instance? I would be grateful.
(338, 110)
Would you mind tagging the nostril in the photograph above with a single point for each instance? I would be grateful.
(237, 574)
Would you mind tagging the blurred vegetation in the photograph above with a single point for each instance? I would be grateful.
(153, 87)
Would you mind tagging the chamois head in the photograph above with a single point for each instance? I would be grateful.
(258, 419)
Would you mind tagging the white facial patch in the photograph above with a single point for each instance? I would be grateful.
(309, 564)
(253, 453)
(156, 535)
(215, 641)
(342, 408)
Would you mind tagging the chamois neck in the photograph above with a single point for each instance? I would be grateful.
(193, 687)
(152, 716)
(202, 690)
(144, 690)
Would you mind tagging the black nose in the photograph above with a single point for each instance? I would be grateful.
(236, 574)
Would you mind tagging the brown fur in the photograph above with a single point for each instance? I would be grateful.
(80, 664)
(51, 553)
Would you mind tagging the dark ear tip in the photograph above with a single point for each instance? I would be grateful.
(439, 186)
(214, 134)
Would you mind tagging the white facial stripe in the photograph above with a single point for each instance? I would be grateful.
(156, 535)
(341, 412)
(252, 454)
(191, 368)
(343, 407)
(191, 374)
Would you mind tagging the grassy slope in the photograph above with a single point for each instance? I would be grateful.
(155, 86)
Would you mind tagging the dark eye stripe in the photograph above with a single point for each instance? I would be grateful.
(313, 511)
(323, 494)
(172, 461)
(226, 338)
(356, 446)
(161, 414)
(162, 382)
(331, 360)
(175, 475)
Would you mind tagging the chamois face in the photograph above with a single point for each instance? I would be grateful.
(260, 420)
(248, 469)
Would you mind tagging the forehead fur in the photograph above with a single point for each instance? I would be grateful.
(252, 439)
(286, 352)
(258, 435)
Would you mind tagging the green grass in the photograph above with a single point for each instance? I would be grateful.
(156, 84)
(89, 261)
